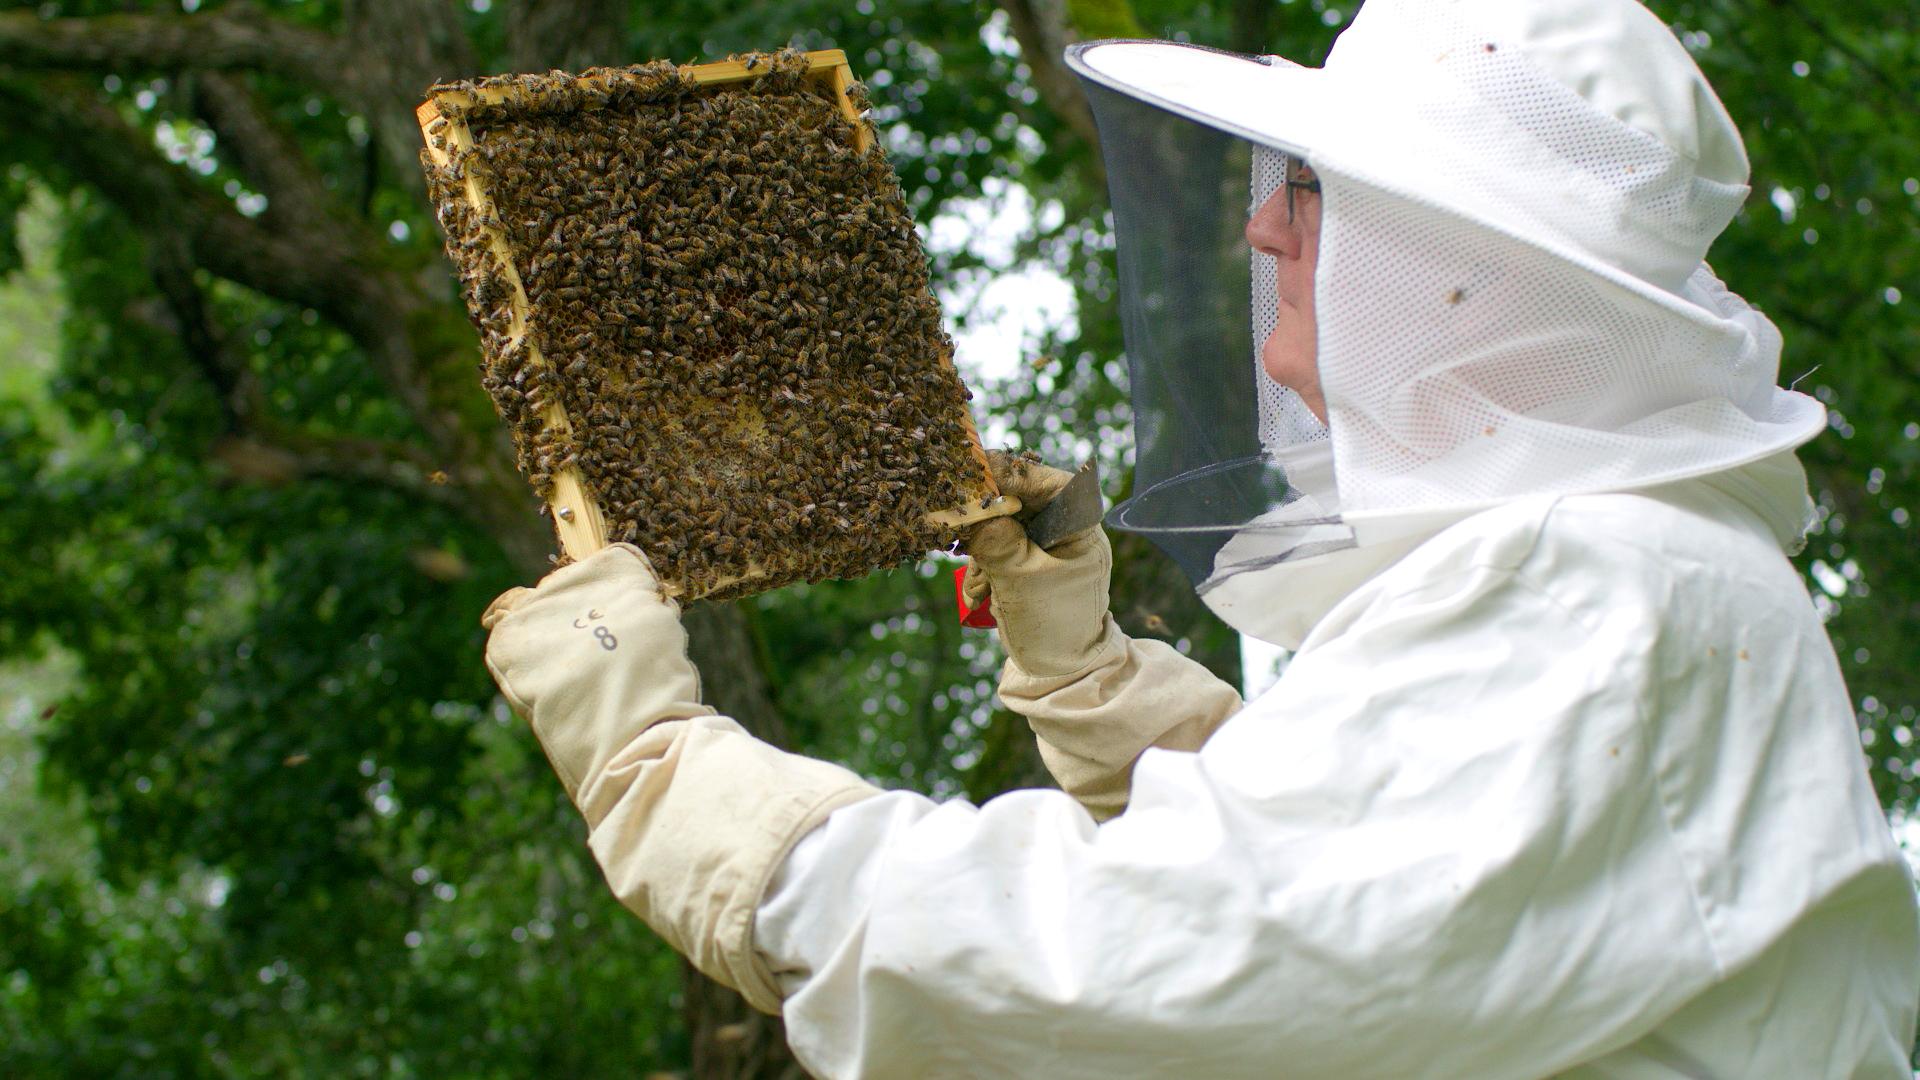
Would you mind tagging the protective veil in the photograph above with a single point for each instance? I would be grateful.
(1510, 296)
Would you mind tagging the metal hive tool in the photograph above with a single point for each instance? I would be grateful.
(705, 317)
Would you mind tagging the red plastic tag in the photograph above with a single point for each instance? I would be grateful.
(980, 617)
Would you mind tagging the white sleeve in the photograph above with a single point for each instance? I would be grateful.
(1436, 848)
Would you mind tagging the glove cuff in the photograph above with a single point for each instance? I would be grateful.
(700, 816)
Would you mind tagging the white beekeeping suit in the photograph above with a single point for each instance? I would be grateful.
(1561, 779)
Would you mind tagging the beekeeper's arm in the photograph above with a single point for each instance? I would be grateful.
(1095, 697)
(688, 815)
(1437, 848)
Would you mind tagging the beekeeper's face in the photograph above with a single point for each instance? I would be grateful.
(1289, 353)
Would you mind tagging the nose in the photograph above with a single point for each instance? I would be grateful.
(1268, 231)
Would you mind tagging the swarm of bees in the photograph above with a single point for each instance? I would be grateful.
(725, 298)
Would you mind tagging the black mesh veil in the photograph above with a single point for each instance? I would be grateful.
(1210, 431)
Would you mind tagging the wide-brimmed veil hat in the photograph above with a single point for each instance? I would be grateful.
(1510, 297)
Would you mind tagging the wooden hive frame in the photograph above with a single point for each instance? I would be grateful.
(579, 522)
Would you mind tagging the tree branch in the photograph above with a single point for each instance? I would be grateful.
(1040, 26)
(319, 267)
(284, 455)
(326, 267)
(187, 318)
(380, 67)
(264, 153)
(87, 137)
(233, 37)
(255, 446)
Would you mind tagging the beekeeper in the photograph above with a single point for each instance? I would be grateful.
(1431, 386)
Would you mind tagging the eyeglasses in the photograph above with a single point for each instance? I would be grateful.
(1311, 184)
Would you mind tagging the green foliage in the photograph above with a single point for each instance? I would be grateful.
(13, 199)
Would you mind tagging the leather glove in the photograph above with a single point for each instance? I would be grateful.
(591, 658)
(1051, 606)
(1095, 698)
(688, 814)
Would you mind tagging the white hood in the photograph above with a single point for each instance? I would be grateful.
(1511, 296)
